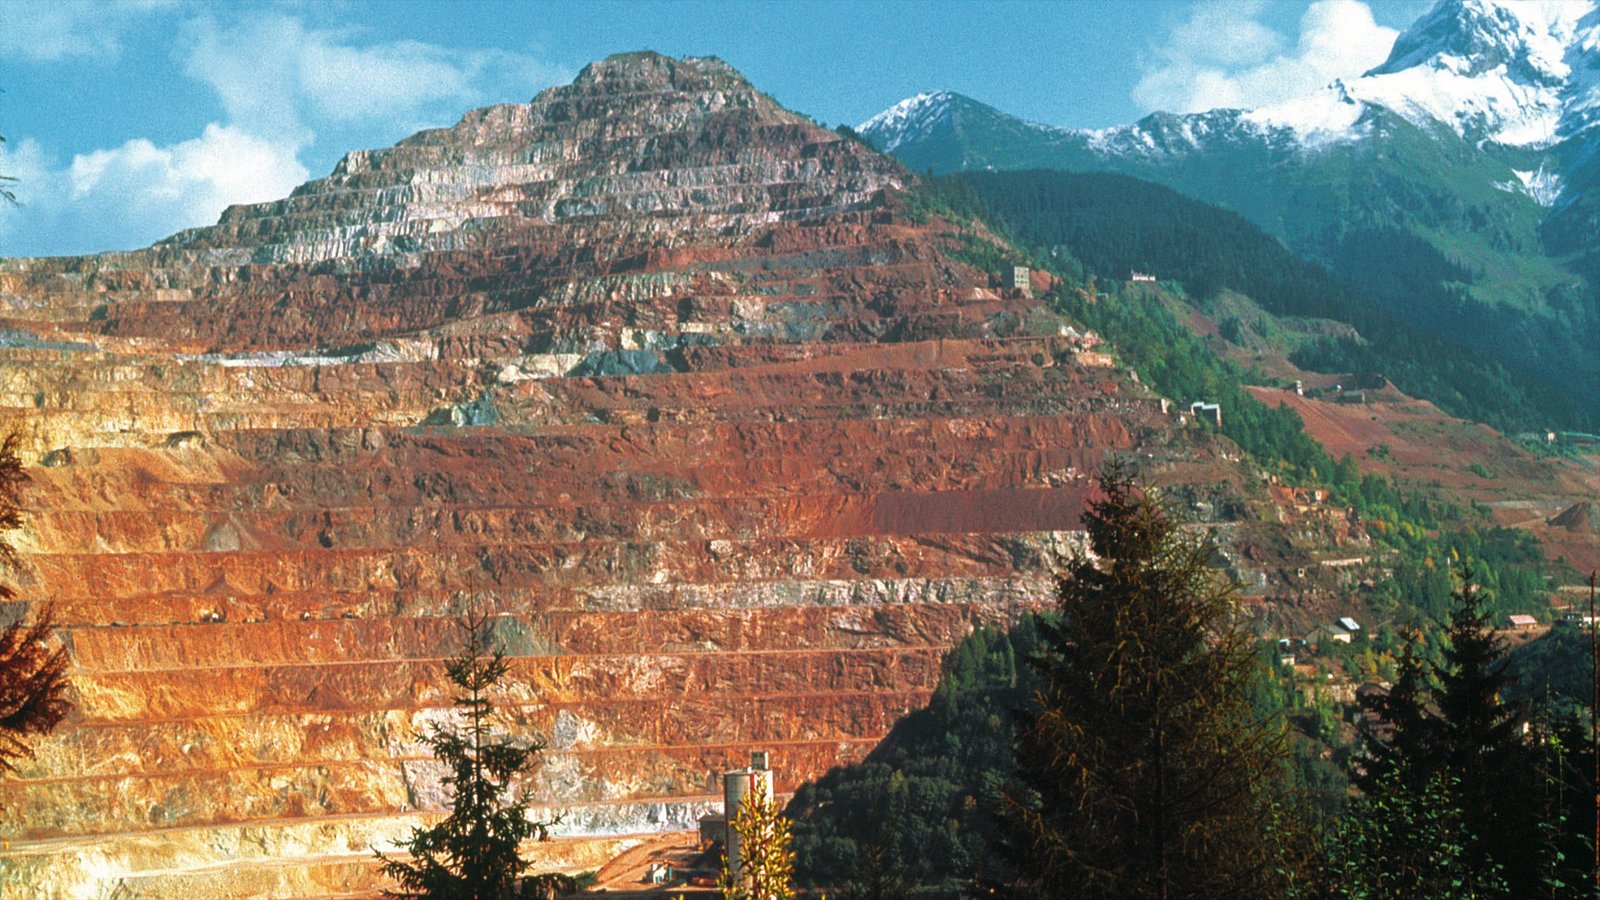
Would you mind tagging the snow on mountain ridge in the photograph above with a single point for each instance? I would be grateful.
(911, 117)
(1327, 117)
(1511, 72)
(1542, 185)
(1524, 73)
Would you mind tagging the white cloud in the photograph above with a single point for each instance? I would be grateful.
(137, 193)
(280, 83)
(1223, 56)
(275, 74)
(45, 32)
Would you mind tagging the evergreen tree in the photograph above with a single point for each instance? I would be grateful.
(1484, 793)
(33, 680)
(1144, 771)
(1408, 839)
(475, 852)
(1482, 744)
(1405, 758)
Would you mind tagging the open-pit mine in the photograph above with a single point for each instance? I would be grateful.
(661, 376)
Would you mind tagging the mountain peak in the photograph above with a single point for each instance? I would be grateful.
(639, 137)
(647, 70)
(1473, 37)
(912, 117)
(1518, 73)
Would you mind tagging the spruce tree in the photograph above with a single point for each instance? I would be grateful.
(1482, 743)
(1143, 771)
(475, 852)
(1405, 757)
(1461, 762)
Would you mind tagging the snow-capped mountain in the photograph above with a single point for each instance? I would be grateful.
(1474, 144)
(1519, 73)
(911, 118)
(1523, 73)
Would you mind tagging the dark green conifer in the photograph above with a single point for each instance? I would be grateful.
(1144, 771)
(1461, 792)
(474, 853)
(1400, 745)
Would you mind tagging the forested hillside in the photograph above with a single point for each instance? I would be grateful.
(1110, 225)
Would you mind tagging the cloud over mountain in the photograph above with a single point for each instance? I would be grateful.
(281, 84)
(1223, 56)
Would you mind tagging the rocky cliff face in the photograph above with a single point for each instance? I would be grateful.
(647, 368)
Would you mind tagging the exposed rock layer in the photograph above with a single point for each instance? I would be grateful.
(647, 368)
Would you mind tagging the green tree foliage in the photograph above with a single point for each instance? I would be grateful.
(1467, 789)
(1151, 340)
(766, 857)
(1110, 224)
(1404, 758)
(1144, 772)
(1479, 733)
(1555, 671)
(474, 853)
(913, 814)
(1404, 841)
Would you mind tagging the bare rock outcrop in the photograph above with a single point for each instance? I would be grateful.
(649, 368)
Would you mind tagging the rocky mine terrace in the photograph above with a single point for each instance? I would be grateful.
(649, 368)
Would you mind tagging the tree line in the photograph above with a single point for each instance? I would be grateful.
(1120, 746)
(1106, 225)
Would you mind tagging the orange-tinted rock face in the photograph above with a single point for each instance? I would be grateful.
(646, 368)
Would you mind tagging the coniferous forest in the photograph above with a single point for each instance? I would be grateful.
(1130, 743)
(1473, 776)
(1109, 225)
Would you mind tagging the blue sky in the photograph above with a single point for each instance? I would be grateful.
(126, 122)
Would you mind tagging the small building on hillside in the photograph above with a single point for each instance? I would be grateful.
(1327, 634)
(1141, 278)
(1523, 622)
(1579, 617)
(1349, 624)
(1210, 412)
(1021, 280)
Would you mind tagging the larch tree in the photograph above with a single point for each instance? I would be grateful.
(1143, 770)
(766, 862)
(474, 853)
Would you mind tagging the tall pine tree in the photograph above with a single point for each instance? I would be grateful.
(1144, 771)
(1465, 762)
(475, 852)
(1486, 746)
(1400, 754)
